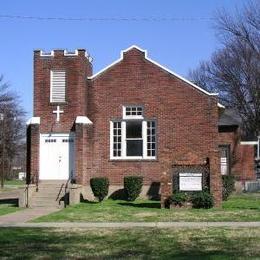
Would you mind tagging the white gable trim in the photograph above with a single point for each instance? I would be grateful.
(157, 64)
(83, 120)
(34, 121)
(249, 142)
(220, 105)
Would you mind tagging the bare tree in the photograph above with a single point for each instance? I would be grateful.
(234, 70)
(12, 128)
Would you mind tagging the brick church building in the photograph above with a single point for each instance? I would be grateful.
(134, 117)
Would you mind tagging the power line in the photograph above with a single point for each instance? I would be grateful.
(107, 19)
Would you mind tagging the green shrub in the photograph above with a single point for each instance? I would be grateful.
(178, 198)
(99, 187)
(228, 186)
(202, 199)
(132, 187)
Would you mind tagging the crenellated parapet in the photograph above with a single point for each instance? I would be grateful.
(68, 53)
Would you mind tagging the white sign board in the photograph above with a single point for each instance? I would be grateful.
(21, 175)
(190, 181)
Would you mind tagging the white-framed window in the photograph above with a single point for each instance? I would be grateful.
(133, 112)
(57, 86)
(117, 139)
(151, 138)
(133, 139)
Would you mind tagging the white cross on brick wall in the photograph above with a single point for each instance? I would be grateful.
(58, 112)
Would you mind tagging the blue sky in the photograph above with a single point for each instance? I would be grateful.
(178, 45)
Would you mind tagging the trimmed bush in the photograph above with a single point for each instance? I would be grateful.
(132, 187)
(99, 187)
(178, 199)
(228, 186)
(202, 199)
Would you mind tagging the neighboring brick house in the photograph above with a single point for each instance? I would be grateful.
(134, 117)
(236, 155)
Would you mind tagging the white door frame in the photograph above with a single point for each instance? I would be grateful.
(70, 160)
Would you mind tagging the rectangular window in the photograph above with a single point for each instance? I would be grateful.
(134, 139)
(224, 159)
(117, 139)
(151, 138)
(58, 86)
(132, 112)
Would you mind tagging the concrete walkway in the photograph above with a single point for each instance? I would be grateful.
(25, 215)
(122, 225)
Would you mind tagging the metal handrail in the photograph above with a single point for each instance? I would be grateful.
(27, 195)
(60, 191)
(66, 186)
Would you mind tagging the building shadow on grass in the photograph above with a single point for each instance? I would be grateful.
(82, 200)
(152, 205)
(11, 201)
(153, 191)
(118, 195)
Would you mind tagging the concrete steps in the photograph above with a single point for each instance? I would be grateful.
(50, 193)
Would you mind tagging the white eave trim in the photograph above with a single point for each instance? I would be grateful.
(249, 142)
(157, 64)
(221, 106)
(34, 121)
(83, 120)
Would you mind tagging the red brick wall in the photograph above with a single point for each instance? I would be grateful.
(33, 144)
(186, 118)
(244, 168)
(242, 156)
(77, 69)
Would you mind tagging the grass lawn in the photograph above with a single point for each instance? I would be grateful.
(211, 243)
(15, 182)
(8, 208)
(244, 207)
(12, 184)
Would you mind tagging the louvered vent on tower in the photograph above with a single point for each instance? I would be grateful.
(58, 85)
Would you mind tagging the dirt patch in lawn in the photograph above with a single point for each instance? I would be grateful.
(145, 214)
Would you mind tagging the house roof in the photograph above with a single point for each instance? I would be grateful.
(229, 118)
(157, 64)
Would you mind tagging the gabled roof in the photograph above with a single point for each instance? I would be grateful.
(157, 64)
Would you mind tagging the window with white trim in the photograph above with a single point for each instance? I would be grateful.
(117, 139)
(133, 138)
(132, 112)
(58, 86)
(151, 138)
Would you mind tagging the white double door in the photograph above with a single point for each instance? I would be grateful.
(57, 156)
